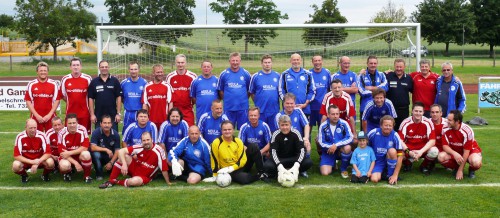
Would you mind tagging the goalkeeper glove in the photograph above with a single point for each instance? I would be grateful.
(226, 170)
(176, 168)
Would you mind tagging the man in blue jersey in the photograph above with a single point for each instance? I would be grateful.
(133, 132)
(104, 146)
(192, 153)
(335, 137)
(300, 82)
(368, 82)
(348, 78)
(210, 122)
(132, 89)
(233, 89)
(376, 109)
(255, 131)
(174, 129)
(299, 121)
(264, 90)
(204, 89)
(322, 80)
(388, 151)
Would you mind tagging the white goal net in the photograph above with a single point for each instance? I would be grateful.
(151, 45)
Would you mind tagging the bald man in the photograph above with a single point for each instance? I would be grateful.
(193, 154)
(31, 151)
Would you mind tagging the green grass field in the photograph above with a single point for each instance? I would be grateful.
(318, 196)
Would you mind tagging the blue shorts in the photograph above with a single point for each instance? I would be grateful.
(197, 169)
(329, 159)
(380, 165)
(315, 118)
(237, 117)
(268, 118)
(128, 118)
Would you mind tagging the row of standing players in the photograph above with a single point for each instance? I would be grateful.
(294, 80)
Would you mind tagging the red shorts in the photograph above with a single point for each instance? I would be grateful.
(76, 157)
(188, 114)
(133, 171)
(28, 166)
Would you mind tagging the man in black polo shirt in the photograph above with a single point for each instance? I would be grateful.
(105, 96)
(400, 86)
(104, 143)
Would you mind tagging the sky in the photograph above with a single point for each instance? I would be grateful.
(356, 11)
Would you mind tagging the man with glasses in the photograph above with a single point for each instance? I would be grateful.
(450, 91)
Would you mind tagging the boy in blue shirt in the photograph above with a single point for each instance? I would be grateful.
(362, 160)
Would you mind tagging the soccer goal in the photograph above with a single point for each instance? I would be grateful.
(151, 45)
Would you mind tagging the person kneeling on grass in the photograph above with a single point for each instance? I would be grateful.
(32, 152)
(363, 160)
(148, 158)
(192, 153)
(388, 151)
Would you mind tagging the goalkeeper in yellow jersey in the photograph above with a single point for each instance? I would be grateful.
(229, 155)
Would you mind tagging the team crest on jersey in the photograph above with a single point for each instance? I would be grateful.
(180, 131)
(383, 111)
(242, 78)
(453, 88)
(275, 80)
(112, 143)
(338, 130)
(432, 82)
(295, 119)
(101, 141)
(214, 85)
(324, 77)
(302, 78)
(199, 79)
(197, 153)
(391, 144)
(260, 132)
(141, 87)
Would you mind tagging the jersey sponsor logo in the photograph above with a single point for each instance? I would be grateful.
(234, 85)
(456, 144)
(173, 139)
(76, 90)
(253, 140)
(181, 89)
(268, 87)
(136, 141)
(197, 153)
(213, 132)
(381, 150)
(33, 151)
(134, 95)
(416, 137)
(207, 92)
(157, 97)
(147, 165)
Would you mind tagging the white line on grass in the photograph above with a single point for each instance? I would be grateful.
(174, 188)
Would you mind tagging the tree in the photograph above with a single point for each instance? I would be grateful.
(388, 14)
(54, 23)
(444, 21)
(328, 13)
(6, 23)
(249, 12)
(487, 19)
(152, 12)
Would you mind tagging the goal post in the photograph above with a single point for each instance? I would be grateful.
(159, 44)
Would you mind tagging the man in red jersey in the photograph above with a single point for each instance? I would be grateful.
(460, 147)
(157, 97)
(424, 86)
(180, 80)
(42, 97)
(73, 146)
(52, 138)
(150, 158)
(31, 152)
(74, 91)
(439, 123)
(418, 136)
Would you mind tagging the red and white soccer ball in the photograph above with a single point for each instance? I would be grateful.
(223, 180)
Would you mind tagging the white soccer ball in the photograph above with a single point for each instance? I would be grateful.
(288, 180)
(223, 179)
